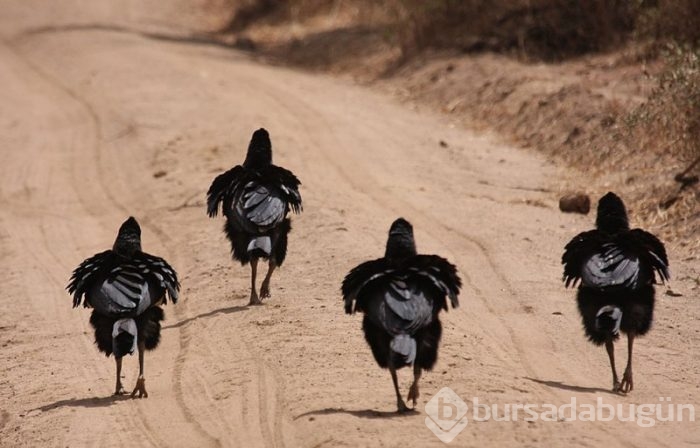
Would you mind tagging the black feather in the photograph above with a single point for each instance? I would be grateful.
(124, 283)
(433, 268)
(221, 188)
(256, 198)
(126, 267)
(588, 250)
(612, 215)
(148, 325)
(105, 266)
(401, 296)
(615, 268)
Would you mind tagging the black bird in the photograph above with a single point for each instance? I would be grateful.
(125, 287)
(401, 296)
(256, 198)
(617, 269)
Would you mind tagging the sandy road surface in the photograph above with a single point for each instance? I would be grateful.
(90, 110)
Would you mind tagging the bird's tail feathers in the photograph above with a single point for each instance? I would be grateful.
(260, 246)
(608, 319)
(124, 337)
(403, 350)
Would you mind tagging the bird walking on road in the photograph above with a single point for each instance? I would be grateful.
(617, 269)
(256, 198)
(401, 296)
(125, 287)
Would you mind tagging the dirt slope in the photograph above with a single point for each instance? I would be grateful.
(100, 121)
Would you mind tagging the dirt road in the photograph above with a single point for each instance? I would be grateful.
(105, 113)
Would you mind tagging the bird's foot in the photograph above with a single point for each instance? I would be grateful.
(254, 299)
(140, 389)
(616, 386)
(627, 384)
(413, 394)
(119, 390)
(616, 382)
(265, 290)
(402, 408)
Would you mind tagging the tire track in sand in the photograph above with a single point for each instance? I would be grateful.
(88, 169)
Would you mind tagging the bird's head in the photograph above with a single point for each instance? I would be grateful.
(129, 238)
(400, 243)
(259, 150)
(612, 216)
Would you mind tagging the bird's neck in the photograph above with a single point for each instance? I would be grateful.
(126, 247)
(612, 223)
(258, 158)
(400, 247)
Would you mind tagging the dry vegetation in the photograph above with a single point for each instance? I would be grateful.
(611, 88)
(536, 29)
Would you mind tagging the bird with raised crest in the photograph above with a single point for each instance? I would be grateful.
(615, 268)
(125, 288)
(256, 198)
(401, 296)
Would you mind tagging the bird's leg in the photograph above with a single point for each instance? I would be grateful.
(627, 384)
(610, 347)
(413, 393)
(119, 389)
(254, 300)
(265, 287)
(140, 387)
(399, 401)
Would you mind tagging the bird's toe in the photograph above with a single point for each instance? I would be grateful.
(119, 390)
(627, 384)
(140, 389)
(254, 300)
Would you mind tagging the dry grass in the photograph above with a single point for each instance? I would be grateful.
(667, 128)
(535, 29)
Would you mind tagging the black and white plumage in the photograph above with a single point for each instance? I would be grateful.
(401, 296)
(615, 268)
(125, 287)
(256, 199)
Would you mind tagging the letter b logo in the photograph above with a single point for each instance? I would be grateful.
(447, 414)
(446, 411)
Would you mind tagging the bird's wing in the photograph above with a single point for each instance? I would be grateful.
(651, 251)
(628, 259)
(359, 277)
(259, 207)
(440, 273)
(611, 266)
(88, 272)
(404, 305)
(287, 183)
(222, 188)
(158, 271)
(398, 301)
(123, 290)
(577, 252)
(116, 285)
(416, 277)
(134, 285)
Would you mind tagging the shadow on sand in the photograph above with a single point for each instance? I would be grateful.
(94, 402)
(563, 386)
(362, 413)
(226, 310)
